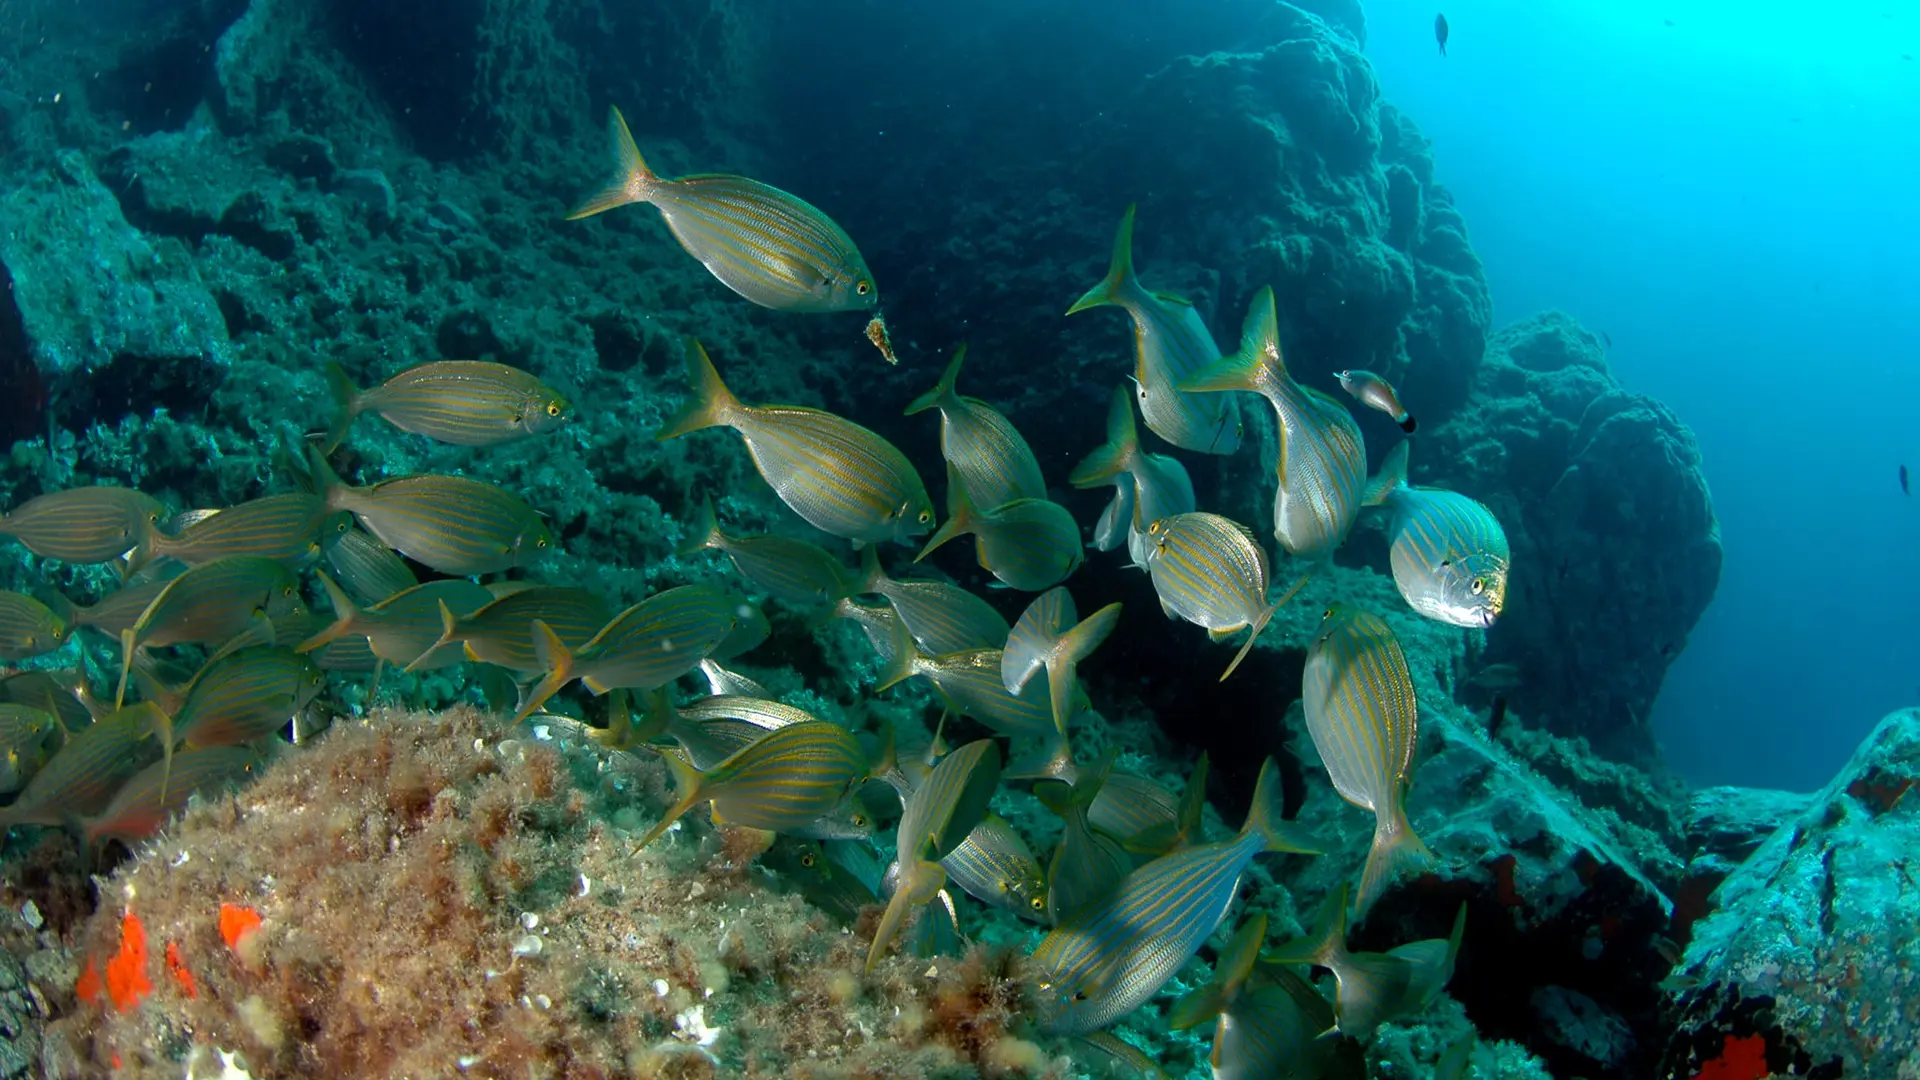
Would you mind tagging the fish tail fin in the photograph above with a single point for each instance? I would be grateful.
(1260, 623)
(126, 666)
(1119, 281)
(704, 533)
(346, 405)
(1407, 422)
(871, 576)
(1326, 943)
(689, 784)
(1264, 817)
(1258, 362)
(1120, 451)
(1391, 477)
(1397, 849)
(711, 403)
(632, 180)
(916, 885)
(1230, 973)
(345, 614)
(1053, 763)
(556, 659)
(943, 392)
(323, 481)
(142, 552)
(449, 633)
(962, 518)
(899, 667)
(1063, 660)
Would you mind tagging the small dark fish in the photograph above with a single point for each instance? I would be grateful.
(1377, 393)
(1903, 481)
(1440, 32)
(1606, 339)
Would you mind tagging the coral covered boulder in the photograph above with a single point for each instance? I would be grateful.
(1808, 962)
(1616, 551)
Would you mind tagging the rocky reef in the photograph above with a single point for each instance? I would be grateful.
(201, 215)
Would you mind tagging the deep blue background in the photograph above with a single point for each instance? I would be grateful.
(1732, 199)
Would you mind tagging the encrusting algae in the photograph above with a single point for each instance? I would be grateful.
(515, 935)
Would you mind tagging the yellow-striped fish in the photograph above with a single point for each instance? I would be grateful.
(1210, 571)
(367, 568)
(1270, 1020)
(725, 682)
(1109, 958)
(245, 695)
(993, 460)
(649, 644)
(942, 617)
(463, 402)
(1371, 988)
(1149, 486)
(712, 729)
(1322, 466)
(1170, 343)
(28, 627)
(843, 479)
(456, 525)
(83, 525)
(1377, 393)
(118, 609)
(1028, 544)
(1449, 553)
(26, 735)
(142, 806)
(784, 780)
(771, 247)
(1087, 865)
(289, 528)
(995, 866)
(940, 814)
(210, 604)
(405, 628)
(81, 779)
(794, 571)
(58, 694)
(501, 633)
(972, 684)
(1365, 722)
(1051, 637)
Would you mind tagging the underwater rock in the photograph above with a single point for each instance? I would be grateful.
(1817, 934)
(1616, 551)
(517, 933)
(1562, 901)
(101, 307)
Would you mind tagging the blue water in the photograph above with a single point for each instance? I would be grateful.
(1732, 199)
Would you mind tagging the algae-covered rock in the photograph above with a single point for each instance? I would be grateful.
(98, 303)
(1816, 939)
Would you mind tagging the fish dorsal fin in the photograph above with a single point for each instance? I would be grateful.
(1391, 477)
(1176, 301)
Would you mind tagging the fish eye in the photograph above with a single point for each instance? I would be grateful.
(288, 591)
(1479, 586)
(553, 408)
(863, 287)
(926, 516)
(1445, 563)
(540, 542)
(806, 860)
(859, 821)
(1037, 904)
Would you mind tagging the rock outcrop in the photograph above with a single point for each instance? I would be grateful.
(1808, 963)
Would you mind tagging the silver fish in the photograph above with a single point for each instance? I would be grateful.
(993, 460)
(1449, 553)
(1150, 486)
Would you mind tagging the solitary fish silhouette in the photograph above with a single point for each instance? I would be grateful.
(1440, 32)
(1903, 481)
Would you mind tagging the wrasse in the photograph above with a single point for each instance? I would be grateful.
(843, 479)
(1377, 393)
(771, 247)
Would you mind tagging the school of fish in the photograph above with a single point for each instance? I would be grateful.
(229, 624)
